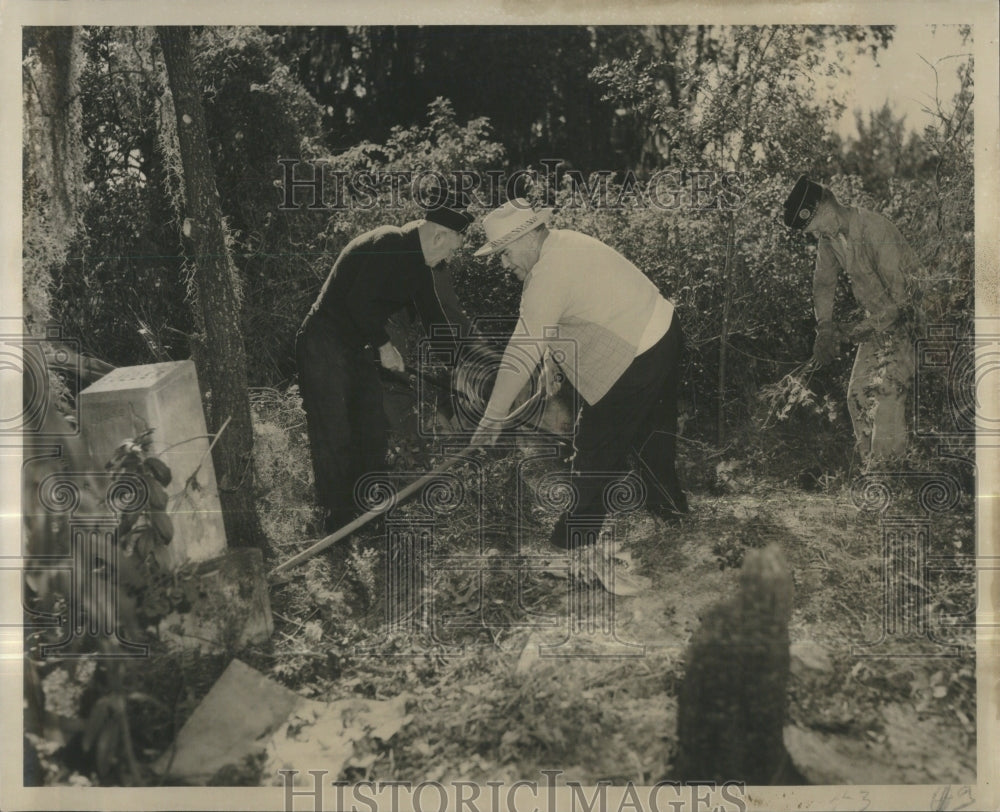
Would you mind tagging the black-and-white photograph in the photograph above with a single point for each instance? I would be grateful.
(501, 415)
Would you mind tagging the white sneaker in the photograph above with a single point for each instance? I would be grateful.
(610, 567)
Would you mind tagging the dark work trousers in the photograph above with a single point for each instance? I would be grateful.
(342, 398)
(638, 416)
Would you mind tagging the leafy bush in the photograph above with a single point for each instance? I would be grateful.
(741, 281)
(284, 476)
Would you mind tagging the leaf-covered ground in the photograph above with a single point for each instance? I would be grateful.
(513, 703)
(498, 685)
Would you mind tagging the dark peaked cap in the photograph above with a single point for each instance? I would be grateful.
(800, 207)
(449, 210)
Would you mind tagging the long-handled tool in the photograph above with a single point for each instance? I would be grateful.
(408, 377)
(406, 493)
(364, 518)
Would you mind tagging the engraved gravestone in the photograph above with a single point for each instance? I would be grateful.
(164, 397)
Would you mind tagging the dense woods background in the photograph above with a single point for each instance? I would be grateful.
(153, 231)
(112, 270)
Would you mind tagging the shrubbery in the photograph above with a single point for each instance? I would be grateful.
(741, 281)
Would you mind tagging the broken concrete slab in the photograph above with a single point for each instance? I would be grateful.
(231, 607)
(164, 397)
(833, 759)
(247, 717)
(229, 725)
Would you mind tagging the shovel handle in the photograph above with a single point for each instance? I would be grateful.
(406, 493)
(364, 518)
(409, 377)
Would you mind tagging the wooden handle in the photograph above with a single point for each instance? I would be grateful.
(364, 518)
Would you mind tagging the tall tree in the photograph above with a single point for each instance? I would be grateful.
(370, 79)
(713, 93)
(223, 356)
(884, 149)
(51, 157)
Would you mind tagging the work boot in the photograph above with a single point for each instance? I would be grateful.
(611, 567)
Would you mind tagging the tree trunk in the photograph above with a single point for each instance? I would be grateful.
(55, 95)
(727, 297)
(732, 702)
(53, 154)
(224, 359)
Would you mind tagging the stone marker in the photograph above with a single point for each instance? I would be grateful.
(164, 397)
(247, 719)
(232, 608)
(230, 724)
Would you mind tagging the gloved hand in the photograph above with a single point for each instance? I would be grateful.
(826, 346)
(390, 357)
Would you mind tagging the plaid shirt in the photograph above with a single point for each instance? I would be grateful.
(582, 290)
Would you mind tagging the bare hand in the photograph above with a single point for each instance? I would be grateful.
(390, 357)
(825, 348)
(552, 376)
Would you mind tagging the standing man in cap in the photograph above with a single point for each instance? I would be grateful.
(344, 336)
(628, 347)
(883, 272)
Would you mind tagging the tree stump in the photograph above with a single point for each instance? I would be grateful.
(732, 702)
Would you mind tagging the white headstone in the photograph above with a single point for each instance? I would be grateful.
(164, 397)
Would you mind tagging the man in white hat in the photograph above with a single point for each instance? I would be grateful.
(628, 347)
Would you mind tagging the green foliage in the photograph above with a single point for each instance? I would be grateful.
(132, 458)
(95, 714)
(530, 80)
(884, 150)
(284, 477)
(683, 99)
(792, 392)
(257, 114)
(124, 292)
(441, 145)
(121, 291)
(740, 279)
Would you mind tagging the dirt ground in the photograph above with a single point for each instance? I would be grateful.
(505, 666)
(598, 700)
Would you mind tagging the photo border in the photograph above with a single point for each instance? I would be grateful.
(983, 15)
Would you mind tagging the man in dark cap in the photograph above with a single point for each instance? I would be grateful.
(883, 272)
(344, 336)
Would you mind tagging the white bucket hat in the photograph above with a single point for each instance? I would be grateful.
(513, 219)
